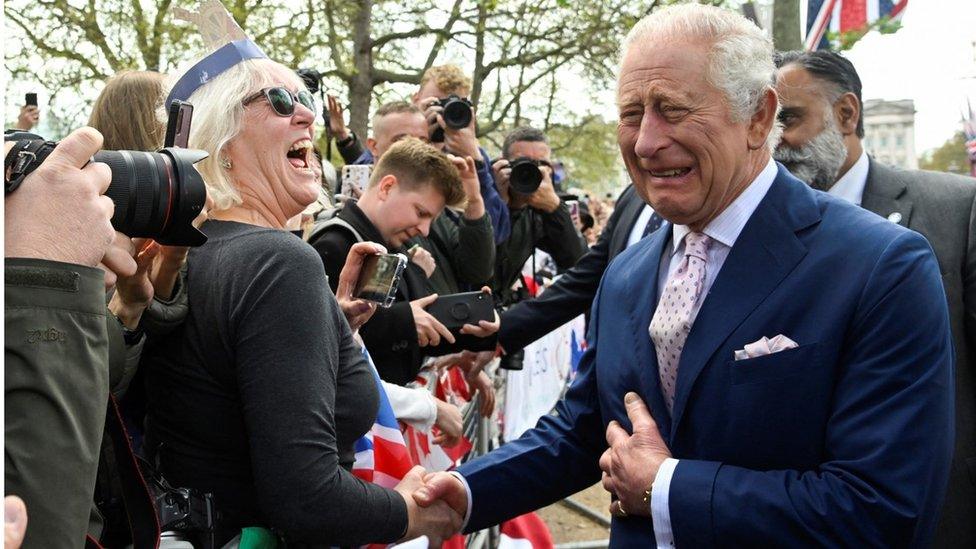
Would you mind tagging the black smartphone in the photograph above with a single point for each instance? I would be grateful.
(30, 99)
(456, 310)
(379, 278)
(178, 124)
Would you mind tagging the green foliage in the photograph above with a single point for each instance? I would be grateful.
(840, 41)
(949, 157)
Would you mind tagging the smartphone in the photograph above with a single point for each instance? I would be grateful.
(379, 278)
(178, 124)
(30, 99)
(574, 211)
(354, 180)
(456, 310)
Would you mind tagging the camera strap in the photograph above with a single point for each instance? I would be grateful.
(23, 158)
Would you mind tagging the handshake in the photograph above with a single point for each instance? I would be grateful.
(436, 505)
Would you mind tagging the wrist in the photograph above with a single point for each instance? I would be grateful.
(345, 137)
(129, 314)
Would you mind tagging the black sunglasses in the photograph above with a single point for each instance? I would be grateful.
(283, 100)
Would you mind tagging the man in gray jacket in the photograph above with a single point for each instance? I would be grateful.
(820, 96)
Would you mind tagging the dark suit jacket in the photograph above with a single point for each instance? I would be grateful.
(844, 440)
(942, 207)
(572, 294)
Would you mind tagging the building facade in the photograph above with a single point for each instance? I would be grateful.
(889, 132)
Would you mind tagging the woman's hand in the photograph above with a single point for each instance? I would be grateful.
(483, 385)
(134, 292)
(356, 311)
(449, 423)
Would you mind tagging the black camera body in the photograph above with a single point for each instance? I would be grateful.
(457, 114)
(526, 176)
(156, 194)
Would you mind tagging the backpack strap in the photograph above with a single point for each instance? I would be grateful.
(326, 224)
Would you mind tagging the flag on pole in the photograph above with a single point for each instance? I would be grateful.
(845, 16)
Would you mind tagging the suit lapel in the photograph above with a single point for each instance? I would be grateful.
(884, 194)
(632, 210)
(764, 253)
(642, 287)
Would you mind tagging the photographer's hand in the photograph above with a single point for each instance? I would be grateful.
(60, 212)
(545, 198)
(462, 142)
(502, 171)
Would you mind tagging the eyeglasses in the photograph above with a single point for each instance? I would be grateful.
(283, 100)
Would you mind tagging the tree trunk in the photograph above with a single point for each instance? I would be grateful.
(361, 84)
(786, 25)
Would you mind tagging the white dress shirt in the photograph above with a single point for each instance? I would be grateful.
(850, 186)
(723, 230)
(637, 232)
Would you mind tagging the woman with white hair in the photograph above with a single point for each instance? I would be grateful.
(259, 396)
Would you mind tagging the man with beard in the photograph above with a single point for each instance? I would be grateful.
(820, 94)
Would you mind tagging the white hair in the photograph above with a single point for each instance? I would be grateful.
(218, 114)
(741, 57)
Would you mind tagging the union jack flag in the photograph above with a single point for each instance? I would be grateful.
(381, 454)
(845, 16)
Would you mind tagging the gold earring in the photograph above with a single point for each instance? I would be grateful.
(225, 163)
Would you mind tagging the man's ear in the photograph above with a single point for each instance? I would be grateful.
(371, 145)
(385, 186)
(847, 111)
(762, 120)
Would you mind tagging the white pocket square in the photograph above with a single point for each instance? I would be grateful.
(765, 346)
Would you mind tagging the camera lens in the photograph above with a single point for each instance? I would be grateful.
(526, 176)
(156, 195)
(457, 113)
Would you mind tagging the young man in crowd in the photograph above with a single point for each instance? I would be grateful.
(820, 94)
(409, 188)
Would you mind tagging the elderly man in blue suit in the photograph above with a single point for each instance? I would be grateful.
(793, 350)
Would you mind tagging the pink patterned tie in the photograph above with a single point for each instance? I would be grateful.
(672, 320)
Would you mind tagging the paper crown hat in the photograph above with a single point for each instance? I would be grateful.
(220, 31)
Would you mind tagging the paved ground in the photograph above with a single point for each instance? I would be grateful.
(567, 525)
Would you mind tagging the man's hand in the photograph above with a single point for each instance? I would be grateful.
(337, 124)
(482, 385)
(502, 171)
(423, 259)
(436, 520)
(429, 329)
(484, 327)
(356, 311)
(545, 198)
(462, 142)
(59, 212)
(28, 117)
(631, 462)
(472, 363)
(449, 422)
(475, 208)
(443, 487)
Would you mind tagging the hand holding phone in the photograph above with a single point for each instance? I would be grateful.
(456, 310)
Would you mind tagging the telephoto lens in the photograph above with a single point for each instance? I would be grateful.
(457, 112)
(526, 175)
(157, 194)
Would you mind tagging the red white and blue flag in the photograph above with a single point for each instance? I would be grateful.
(845, 16)
(381, 454)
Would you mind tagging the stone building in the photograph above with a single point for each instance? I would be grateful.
(889, 132)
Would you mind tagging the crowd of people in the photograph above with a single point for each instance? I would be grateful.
(781, 331)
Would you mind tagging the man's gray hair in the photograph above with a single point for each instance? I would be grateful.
(741, 58)
(524, 133)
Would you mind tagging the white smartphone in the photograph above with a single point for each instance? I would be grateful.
(354, 180)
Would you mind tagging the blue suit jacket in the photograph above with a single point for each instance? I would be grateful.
(844, 440)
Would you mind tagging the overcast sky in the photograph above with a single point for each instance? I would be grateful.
(931, 59)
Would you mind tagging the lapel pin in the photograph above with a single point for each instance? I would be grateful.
(895, 217)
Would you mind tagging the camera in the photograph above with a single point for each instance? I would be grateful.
(526, 176)
(457, 114)
(312, 79)
(156, 194)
